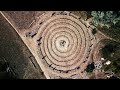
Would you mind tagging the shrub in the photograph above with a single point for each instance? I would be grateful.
(105, 18)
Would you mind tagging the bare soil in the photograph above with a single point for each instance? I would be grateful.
(17, 54)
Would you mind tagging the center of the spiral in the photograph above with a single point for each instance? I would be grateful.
(62, 43)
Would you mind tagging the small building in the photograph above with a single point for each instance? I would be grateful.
(108, 62)
(102, 59)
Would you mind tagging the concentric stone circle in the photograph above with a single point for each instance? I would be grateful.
(64, 45)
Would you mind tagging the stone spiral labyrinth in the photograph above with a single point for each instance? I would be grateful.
(64, 44)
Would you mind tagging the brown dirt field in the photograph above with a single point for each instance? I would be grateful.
(80, 13)
(22, 19)
(16, 53)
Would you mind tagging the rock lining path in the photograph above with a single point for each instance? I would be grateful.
(62, 44)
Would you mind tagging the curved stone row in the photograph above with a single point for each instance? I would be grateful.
(65, 43)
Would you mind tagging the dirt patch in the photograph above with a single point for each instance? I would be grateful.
(22, 19)
(16, 53)
(82, 14)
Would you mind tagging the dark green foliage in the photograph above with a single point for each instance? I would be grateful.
(110, 48)
(107, 22)
(94, 31)
(105, 18)
(112, 52)
(90, 68)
